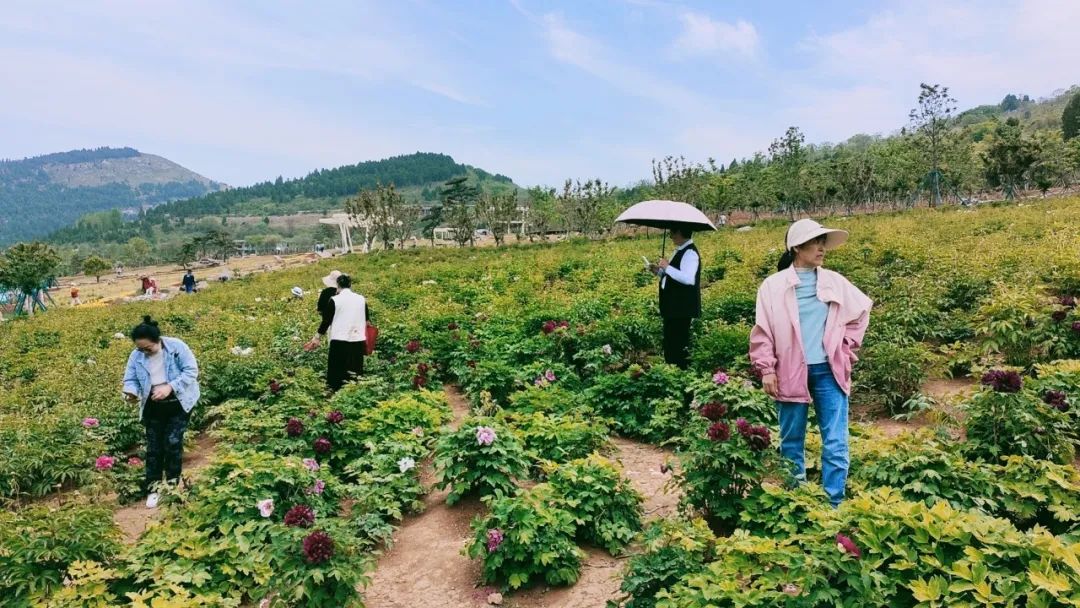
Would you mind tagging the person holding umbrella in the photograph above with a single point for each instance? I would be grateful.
(680, 277)
(680, 295)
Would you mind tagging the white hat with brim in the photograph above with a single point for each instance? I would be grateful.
(296, 291)
(806, 230)
(330, 280)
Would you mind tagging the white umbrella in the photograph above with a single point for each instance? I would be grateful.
(666, 215)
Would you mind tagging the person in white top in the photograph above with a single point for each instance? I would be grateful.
(680, 295)
(345, 318)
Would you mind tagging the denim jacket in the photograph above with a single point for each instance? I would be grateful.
(181, 372)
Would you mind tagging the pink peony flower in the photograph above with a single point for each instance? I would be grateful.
(300, 516)
(90, 423)
(318, 488)
(485, 435)
(266, 507)
(494, 539)
(720, 377)
(846, 545)
(322, 445)
(417, 431)
(318, 547)
(104, 463)
(134, 461)
(549, 376)
(311, 464)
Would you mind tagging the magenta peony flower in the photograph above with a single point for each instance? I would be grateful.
(549, 376)
(1003, 381)
(720, 377)
(135, 461)
(713, 410)
(757, 435)
(294, 427)
(104, 463)
(300, 516)
(548, 327)
(494, 539)
(335, 417)
(743, 426)
(719, 431)
(322, 445)
(318, 547)
(412, 346)
(485, 435)
(311, 464)
(846, 545)
(90, 423)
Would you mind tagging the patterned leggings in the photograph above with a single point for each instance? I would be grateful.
(165, 423)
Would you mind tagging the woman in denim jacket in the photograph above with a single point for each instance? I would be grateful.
(162, 377)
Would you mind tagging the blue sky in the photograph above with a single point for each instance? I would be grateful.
(537, 90)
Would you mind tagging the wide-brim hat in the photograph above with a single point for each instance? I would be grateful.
(330, 280)
(296, 291)
(806, 230)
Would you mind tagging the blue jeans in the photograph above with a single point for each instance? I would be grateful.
(831, 406)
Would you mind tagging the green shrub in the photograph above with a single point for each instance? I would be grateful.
(525, 539)
(606, 508)
(467, 467)
(554, 437)
(1017, 423)
(721, 345)
(890, 374)
(672, 549)
(628, 398)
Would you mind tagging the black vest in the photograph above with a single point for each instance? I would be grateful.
(678, 301)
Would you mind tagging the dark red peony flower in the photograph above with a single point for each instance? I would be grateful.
(743, 426)
(470, 364)
(275, 388)
(759, 437)
(300, 516)
(548, 327)
(422, 368)
(1076, 327)
(318, 547)
(719, 431)
(1003, 381)
(419, 382)
(714, 410)
(335, 417)
(412, 346)
(451, 326)
(294, 428)
(848, 546)
(1058, 315)
(322, 445)
(1068, 301)
(1055, 399)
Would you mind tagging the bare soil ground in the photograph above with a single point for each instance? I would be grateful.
(425, 567)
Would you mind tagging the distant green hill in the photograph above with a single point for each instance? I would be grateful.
(418, 176)
(41, 194)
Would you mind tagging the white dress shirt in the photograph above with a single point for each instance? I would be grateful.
(688, 267)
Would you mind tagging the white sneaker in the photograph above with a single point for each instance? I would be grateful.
(152, 500)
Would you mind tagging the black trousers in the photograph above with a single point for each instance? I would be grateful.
(346, 361)
(677, 341)
(165, 422)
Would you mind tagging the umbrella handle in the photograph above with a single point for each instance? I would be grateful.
(663, 244)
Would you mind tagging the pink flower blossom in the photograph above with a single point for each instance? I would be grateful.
(311, 464)
(90, 423)
(318, 488)
(846, 545)
(134, 461)
(720, 377)
(266, 507)
(104, 462)
(494, 539)
(485, 435)
(417, 431)
(549, 376)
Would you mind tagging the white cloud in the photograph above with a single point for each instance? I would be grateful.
(703, 35)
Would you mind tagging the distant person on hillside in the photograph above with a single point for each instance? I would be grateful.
(188, 282)
(809, 326)
(345, 318)
(145, 281)
(680, 296)
(75, 301)
(162, 376)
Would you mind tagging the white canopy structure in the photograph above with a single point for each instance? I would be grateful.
(345, 223)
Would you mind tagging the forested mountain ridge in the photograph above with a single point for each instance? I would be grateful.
(41, 194)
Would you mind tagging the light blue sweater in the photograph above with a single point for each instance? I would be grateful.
(812, 315)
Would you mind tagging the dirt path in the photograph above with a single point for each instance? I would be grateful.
(133, 519)
(425, 567)
(944, 391)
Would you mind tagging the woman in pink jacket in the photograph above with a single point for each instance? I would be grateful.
(810, 324)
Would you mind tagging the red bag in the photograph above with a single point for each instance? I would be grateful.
(371, 335)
